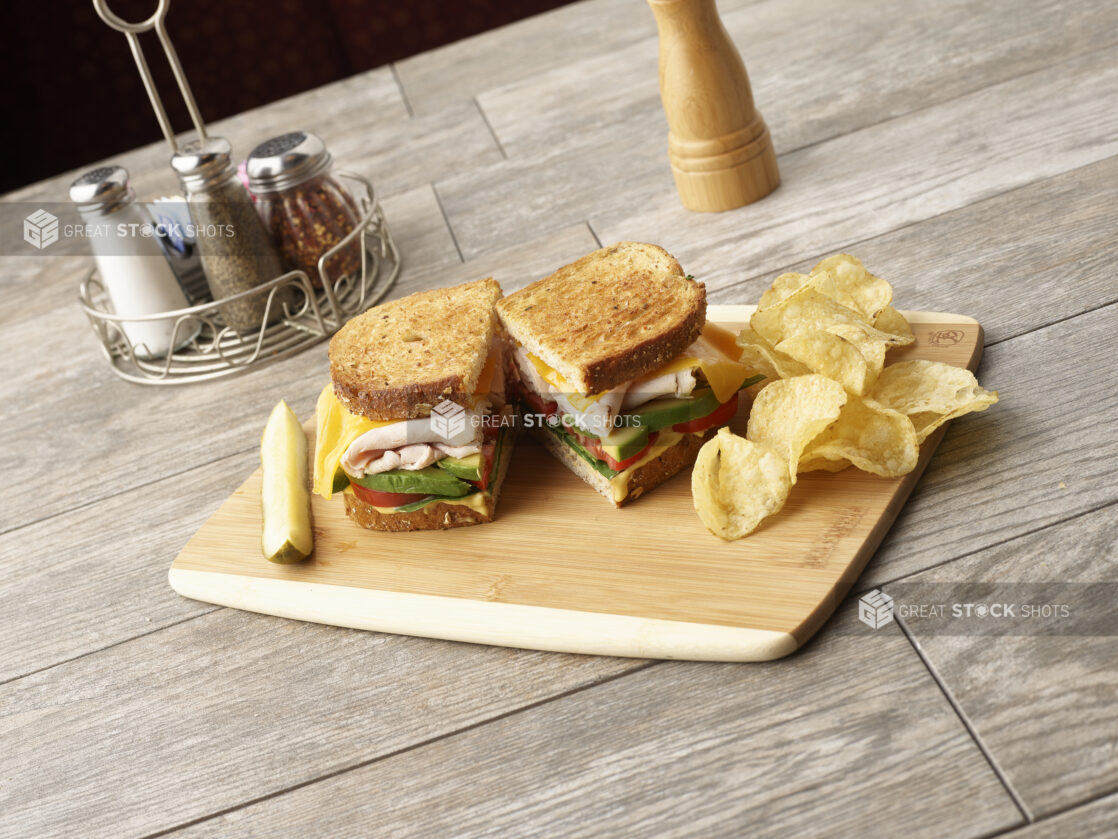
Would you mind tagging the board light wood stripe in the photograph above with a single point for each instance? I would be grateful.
(484, 622)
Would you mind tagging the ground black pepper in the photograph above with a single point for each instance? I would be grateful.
(236, 251)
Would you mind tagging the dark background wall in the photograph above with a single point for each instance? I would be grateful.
(72, 94)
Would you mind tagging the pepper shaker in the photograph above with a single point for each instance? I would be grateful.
(134, 271)
(718, 145)
(237, 252)
(305, 209)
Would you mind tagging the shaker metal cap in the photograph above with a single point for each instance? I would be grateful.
(285, 161)
(203, 158)
(101, 187)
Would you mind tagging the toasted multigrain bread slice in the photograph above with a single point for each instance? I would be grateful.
(399, 359)
(437, 516)
(646, 477)
(611, 316)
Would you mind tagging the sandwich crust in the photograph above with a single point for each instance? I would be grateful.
(609, 317)
(399, 359)
(437, 516)
(645, 478)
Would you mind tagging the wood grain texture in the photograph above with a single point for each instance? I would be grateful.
(819, 68)
(560, 38)
(230, 706)
(598, 151)
(1043, 704)
(645, 581)
(96, 575)
(513, 267)
(400, 156)
(997, 475)
(1094, 819)
(894, 173)
(850, 737)
(1015, 262)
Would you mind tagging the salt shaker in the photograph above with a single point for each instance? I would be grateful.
(237, 252)
(305, 209)
(134, 271)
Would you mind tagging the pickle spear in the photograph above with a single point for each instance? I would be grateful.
(285, 501)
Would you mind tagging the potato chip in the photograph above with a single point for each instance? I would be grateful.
(925, 422)
(930, 393)
(822, 464)
(893, 323)
(831, 356)
(789, 414)
(760, 355)
(872, 437)
(769, 322)
(828, 402)
(870, 343)
(914, 386)
(782, 287)
(737, 484)
(845, 280)
(807, 310)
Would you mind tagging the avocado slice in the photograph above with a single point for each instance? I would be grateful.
(341, 481)
(429, 481)
(599, 466)
(670, 410)
(624, 442)
(467, 468)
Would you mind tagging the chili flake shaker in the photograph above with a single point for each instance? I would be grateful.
(134, 271)
(237, 252)
(305, 209)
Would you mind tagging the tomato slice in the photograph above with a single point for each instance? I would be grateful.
(385, 499)
(594, 446)
(537, 403)
(718, 417)
(488, 450)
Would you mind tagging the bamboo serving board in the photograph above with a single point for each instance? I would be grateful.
(561, 569)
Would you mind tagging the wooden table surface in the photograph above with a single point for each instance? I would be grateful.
(967, 151)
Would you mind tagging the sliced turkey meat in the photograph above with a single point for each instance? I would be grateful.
(409, 444)
(597, 416)
(669, 384)
(411, 457)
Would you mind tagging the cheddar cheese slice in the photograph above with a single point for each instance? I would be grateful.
(336, 429)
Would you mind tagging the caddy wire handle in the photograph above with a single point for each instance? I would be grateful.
(132, 32)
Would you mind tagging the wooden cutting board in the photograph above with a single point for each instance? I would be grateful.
(561, 569)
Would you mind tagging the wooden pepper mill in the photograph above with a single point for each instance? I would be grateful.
(719, 147)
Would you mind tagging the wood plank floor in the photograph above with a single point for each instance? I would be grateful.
(764, 750)
(967, 151)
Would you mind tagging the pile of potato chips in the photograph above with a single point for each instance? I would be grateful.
(828, 401)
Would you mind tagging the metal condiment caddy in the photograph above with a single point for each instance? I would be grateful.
(295, 314)
(220, 350)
